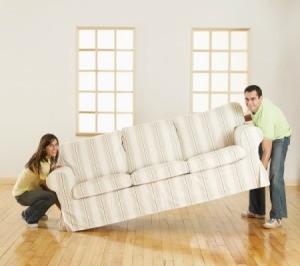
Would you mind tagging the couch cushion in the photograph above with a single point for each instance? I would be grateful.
(151, 144)
(158, 172)
(216, 158)
(93, 157)
(101, 185)
(204, 132)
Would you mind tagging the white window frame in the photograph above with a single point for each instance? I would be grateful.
(115, 50)
(230, 94)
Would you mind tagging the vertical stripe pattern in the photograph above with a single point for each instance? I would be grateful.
(204, 132)
(156, 167)
(151, 144)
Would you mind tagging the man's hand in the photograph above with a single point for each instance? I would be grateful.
(248, 117)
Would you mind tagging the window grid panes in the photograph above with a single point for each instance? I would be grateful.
(105, 79)
(219, 67)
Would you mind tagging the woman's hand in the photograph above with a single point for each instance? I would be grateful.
(55, 167)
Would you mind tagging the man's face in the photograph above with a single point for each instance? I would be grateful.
(252, 101)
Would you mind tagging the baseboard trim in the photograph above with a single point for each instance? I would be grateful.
(8, 181)
(292, 182)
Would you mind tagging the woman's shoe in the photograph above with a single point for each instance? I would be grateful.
(249, 214)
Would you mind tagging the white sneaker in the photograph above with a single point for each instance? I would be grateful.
(34, 225)
(249, 214)
(272, 224)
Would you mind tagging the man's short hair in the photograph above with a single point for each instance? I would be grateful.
(254, 88)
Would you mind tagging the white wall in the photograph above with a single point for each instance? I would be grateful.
(287, 89)
(37, 61)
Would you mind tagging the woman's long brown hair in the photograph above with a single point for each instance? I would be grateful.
(34, 164)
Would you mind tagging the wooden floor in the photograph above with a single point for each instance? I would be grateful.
(211, 233)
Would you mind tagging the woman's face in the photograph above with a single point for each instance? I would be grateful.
(52, 148)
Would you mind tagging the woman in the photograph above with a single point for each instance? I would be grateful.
(31, 188)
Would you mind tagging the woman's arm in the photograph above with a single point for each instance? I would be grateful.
(43, 185)
(55, 167)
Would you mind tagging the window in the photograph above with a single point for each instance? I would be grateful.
(105, 79)
(219, 67)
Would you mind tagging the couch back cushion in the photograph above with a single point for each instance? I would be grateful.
(95, 157)
(150, 144)
(204, 132)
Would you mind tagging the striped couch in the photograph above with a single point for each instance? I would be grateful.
(157, 166)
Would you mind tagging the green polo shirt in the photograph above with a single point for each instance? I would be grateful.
(271, 120)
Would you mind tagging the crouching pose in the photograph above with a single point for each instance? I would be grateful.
(31, 188)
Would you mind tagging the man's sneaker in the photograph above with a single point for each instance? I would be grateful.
(249, 214)
(272, 224)
(44, 217)
(34, 225)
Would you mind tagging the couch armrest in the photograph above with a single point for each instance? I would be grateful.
(248, 136)
(61, 181)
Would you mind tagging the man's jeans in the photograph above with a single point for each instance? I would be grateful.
(38, 201)
(257, 202)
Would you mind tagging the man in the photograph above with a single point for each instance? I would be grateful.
(276, 138)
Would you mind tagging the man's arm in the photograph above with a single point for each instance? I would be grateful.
(267, 149)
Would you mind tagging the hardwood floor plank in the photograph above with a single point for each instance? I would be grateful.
(211, 233)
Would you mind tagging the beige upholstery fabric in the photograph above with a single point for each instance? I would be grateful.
(158, 172)
(151, 144)
(171, 164)
(217, 158)
(95, 157)
(101, 185)
(204, 132)
(248, 136)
